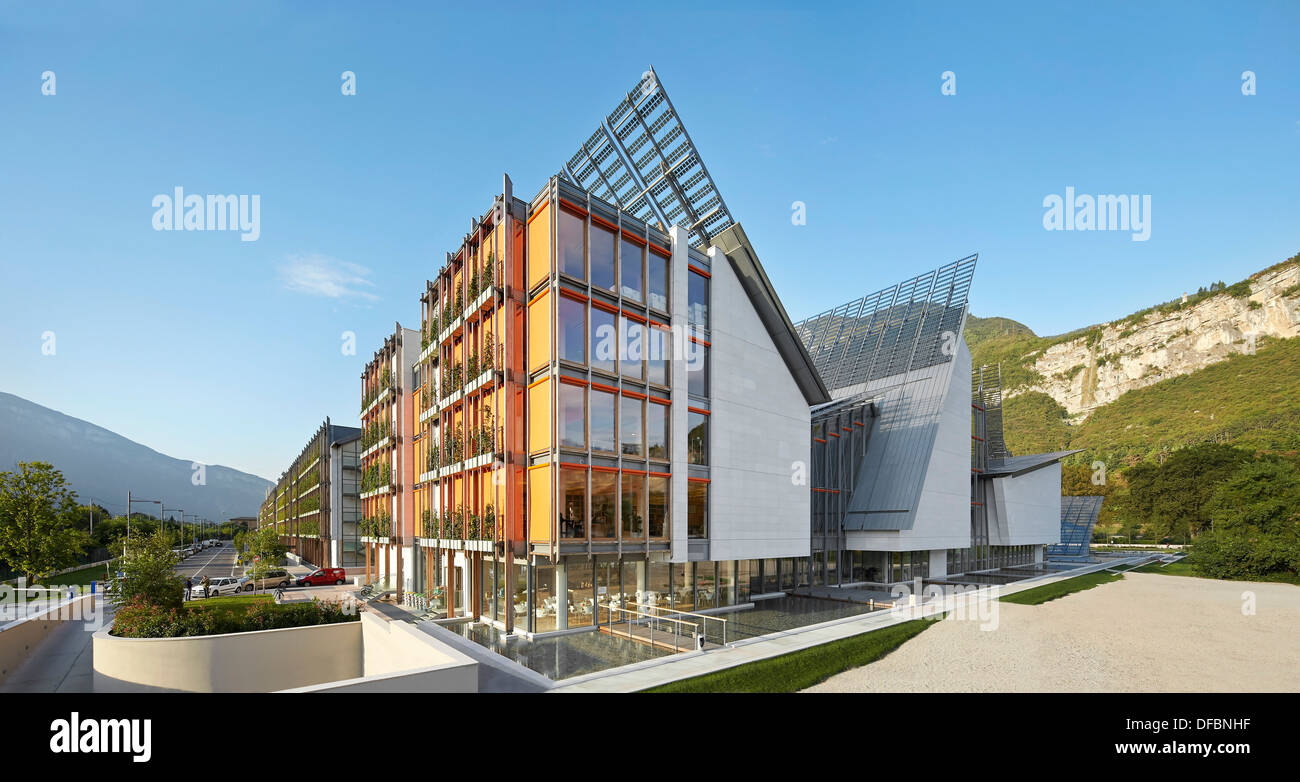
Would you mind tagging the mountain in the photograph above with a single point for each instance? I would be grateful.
(104, 465)
(1222, 365)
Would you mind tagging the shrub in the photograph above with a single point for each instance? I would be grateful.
(140, 619)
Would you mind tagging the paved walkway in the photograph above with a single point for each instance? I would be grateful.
(1147, 633)
(62, 662)
(651, 673)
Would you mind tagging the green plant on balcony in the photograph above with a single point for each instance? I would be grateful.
(472, 526)
(485, 439)
(429, 523)
(489, 523)
(431, 462)
(473, 286)
(453, 525)
(487, 271)
(460, 303)
(386, 379)
(473, 370)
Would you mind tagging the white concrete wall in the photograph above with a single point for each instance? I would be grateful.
(1026, 509)
(758, 428)
(943, 510)
(259, 661)
(677, 415)
(20, 633)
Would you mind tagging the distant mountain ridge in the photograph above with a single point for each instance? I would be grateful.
(1215, 366)
(103, 464)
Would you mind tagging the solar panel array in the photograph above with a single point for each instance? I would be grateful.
(911, 325)
(642, 160)
(1078, 517)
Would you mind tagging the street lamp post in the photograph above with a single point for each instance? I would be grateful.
(129, 500)
(164, 521)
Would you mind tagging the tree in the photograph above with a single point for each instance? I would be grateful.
(36, 537)
(264, 550)
(1171, 498)
(149, 572)
(1256, 523)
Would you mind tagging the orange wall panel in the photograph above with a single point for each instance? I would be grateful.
(539, 246)
(539, 332)
(539, 504)
(539, 416)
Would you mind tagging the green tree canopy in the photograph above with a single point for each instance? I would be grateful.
(149, 572)
(36, 536)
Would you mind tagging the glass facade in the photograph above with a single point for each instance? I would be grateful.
(631, 270)
(697, 509)
(697, 438)
(602, 258)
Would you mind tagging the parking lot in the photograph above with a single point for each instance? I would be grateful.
(219, 562)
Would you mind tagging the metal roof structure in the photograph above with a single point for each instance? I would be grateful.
(642, 160)
(911, 325)
(1019, 465)
(1078, 518)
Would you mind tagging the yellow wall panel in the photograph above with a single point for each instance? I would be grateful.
(539, 247)
(539, 417)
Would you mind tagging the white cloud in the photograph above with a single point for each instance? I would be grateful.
(320, 275)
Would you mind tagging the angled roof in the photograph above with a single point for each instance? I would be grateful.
(733, 242)
(908, 326)
(641, 159)
(1019, 465)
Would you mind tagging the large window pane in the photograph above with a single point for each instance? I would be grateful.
(604, 341)
(658, 508)
(697, 438)
(602, 421)
(573, 418)
(573, 496)
(697, 300)
(581, 591)
(697, 369)
(706, 592)
(657, 281)
(573, 330)
(571, 240)
(656, 430)
(633, 506)
(632, 346)
(631, 260)
(603, 499)
(658, 346)
(629, 426)
(697, 509)
(602, 258)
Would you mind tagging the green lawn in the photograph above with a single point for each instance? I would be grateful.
(1184, 567)
(804, 668)
(1042, 594)
(81, 577)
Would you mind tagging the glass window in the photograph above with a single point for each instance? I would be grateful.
(633, 506)
(629, 426)
(656, 430)
(572, 230)
(697, 369)
(602, 258)
(631, 261)
(582, 591)
(573, 495)
(658, 510)
(604, 340)
(602, 421)
(697, 438)
(726, 583)
(603, 489)
(706, 586)
(657, 281)
(573, 417)
(632, 350)
(697, 300)
(697, 509)
(573, 330)
(658, 344)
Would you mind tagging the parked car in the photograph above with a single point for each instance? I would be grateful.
(277, 577)
(323, 576)
(219, 586)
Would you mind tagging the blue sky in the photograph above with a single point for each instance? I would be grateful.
(201, 346)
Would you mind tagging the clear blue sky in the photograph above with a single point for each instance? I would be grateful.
(227, 352)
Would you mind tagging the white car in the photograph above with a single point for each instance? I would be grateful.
(219, 586)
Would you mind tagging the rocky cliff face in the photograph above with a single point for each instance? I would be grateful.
(1094, 369)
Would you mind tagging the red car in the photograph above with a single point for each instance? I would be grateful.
(328, 575)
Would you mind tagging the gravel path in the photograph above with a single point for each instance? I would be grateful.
(1147, 633)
